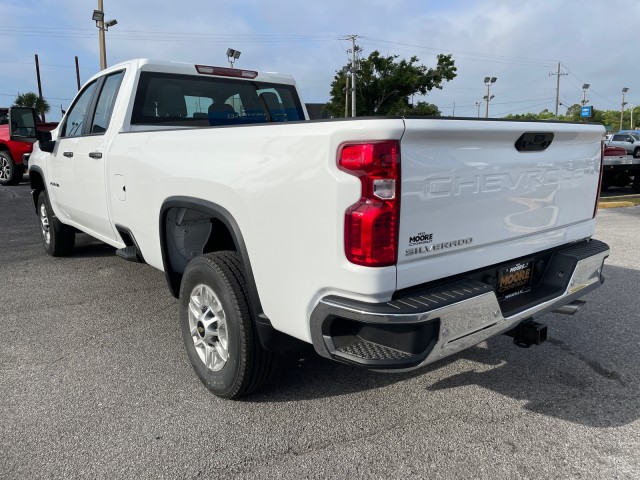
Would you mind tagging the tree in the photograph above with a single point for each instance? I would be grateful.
(384, 85)
(30, 99)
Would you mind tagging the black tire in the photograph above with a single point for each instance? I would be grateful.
(247, 366)
(10, 173)
(635, 186)
(636, 153)
(58, 239)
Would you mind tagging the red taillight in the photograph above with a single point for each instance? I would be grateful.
(595, 208)
(371, 225)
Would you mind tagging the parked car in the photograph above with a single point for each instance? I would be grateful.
(629, 141)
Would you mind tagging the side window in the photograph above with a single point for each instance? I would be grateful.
(77, 114)
(106, 101)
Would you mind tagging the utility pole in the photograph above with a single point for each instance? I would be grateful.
(478, 105)
(353, 75)
(558, 87)
(39, 83)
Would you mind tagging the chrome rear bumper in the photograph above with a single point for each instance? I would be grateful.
(421, 328)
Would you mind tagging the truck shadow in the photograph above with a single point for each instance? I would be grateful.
(587, 373)
(88, 247)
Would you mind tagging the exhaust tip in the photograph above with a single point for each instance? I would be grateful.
(570, 308)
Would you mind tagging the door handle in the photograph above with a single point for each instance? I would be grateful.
(68, 154)
(95, 155)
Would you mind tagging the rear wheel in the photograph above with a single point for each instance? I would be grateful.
(636, 153)
(10, 173)
(218, 329)
(58, 238)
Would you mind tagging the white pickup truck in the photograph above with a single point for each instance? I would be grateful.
(388, 243)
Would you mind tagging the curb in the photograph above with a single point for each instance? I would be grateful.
(615, 204)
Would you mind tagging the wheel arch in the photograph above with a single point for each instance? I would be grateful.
(36, 180)
(230, 235)
(218, 216)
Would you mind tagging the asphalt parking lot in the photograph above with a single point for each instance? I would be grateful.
(94, 383)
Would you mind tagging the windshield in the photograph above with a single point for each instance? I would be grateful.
(4, 116)
(197, 100)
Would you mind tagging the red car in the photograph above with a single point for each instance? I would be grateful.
(11, 166)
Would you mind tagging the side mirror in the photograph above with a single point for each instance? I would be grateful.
(22, 126)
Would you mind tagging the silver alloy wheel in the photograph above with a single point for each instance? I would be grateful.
(44, 224)
(208, 327)
(5, 168)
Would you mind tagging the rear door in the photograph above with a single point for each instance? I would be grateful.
(470, 198)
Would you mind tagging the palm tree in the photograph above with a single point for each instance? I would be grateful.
(30, 99)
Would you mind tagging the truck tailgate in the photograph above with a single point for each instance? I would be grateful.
(470, 199)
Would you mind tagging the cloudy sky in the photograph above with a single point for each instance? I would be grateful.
(518, 41)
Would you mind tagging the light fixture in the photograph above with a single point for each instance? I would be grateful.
(233, 55)
(110, 23)
(98, 15)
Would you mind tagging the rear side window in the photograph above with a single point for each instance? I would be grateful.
(106, 102)
(197, 100)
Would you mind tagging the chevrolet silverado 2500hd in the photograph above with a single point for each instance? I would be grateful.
(387, 243)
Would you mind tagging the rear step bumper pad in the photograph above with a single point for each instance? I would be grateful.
(467, 313)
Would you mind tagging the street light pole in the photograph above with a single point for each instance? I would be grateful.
(478, 105)
(103, 46)
(353, 75)
(624, 90)
(488, 81)
(632, 107)
(98, 17)
(584, 94)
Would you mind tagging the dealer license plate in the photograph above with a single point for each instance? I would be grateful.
(515, 279)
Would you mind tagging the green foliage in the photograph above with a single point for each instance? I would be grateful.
(609, 118)
(384, 85)
(30, 99)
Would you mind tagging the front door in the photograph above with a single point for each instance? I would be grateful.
(80, 158)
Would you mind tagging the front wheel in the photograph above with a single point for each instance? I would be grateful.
(217, 327)
(10, 173)
(58, 238)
